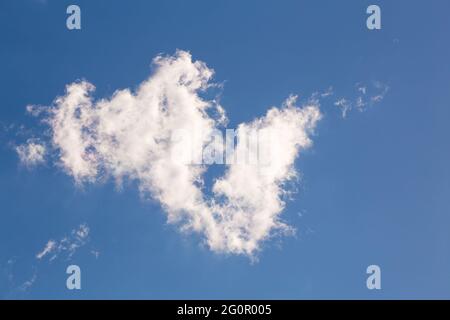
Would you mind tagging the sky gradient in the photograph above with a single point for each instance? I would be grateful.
(374, 185)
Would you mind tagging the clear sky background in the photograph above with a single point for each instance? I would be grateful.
(375, 186)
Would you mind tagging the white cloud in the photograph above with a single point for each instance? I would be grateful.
(129, 136)
(32, 153)
(250, 211)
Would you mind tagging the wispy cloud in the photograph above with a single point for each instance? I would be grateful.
(344, 105)
(28, 283)
(327, 93)
(365, 96)
(12, 283)
(49, 248)
(68, 245)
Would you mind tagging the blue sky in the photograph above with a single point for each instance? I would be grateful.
(374, 187)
